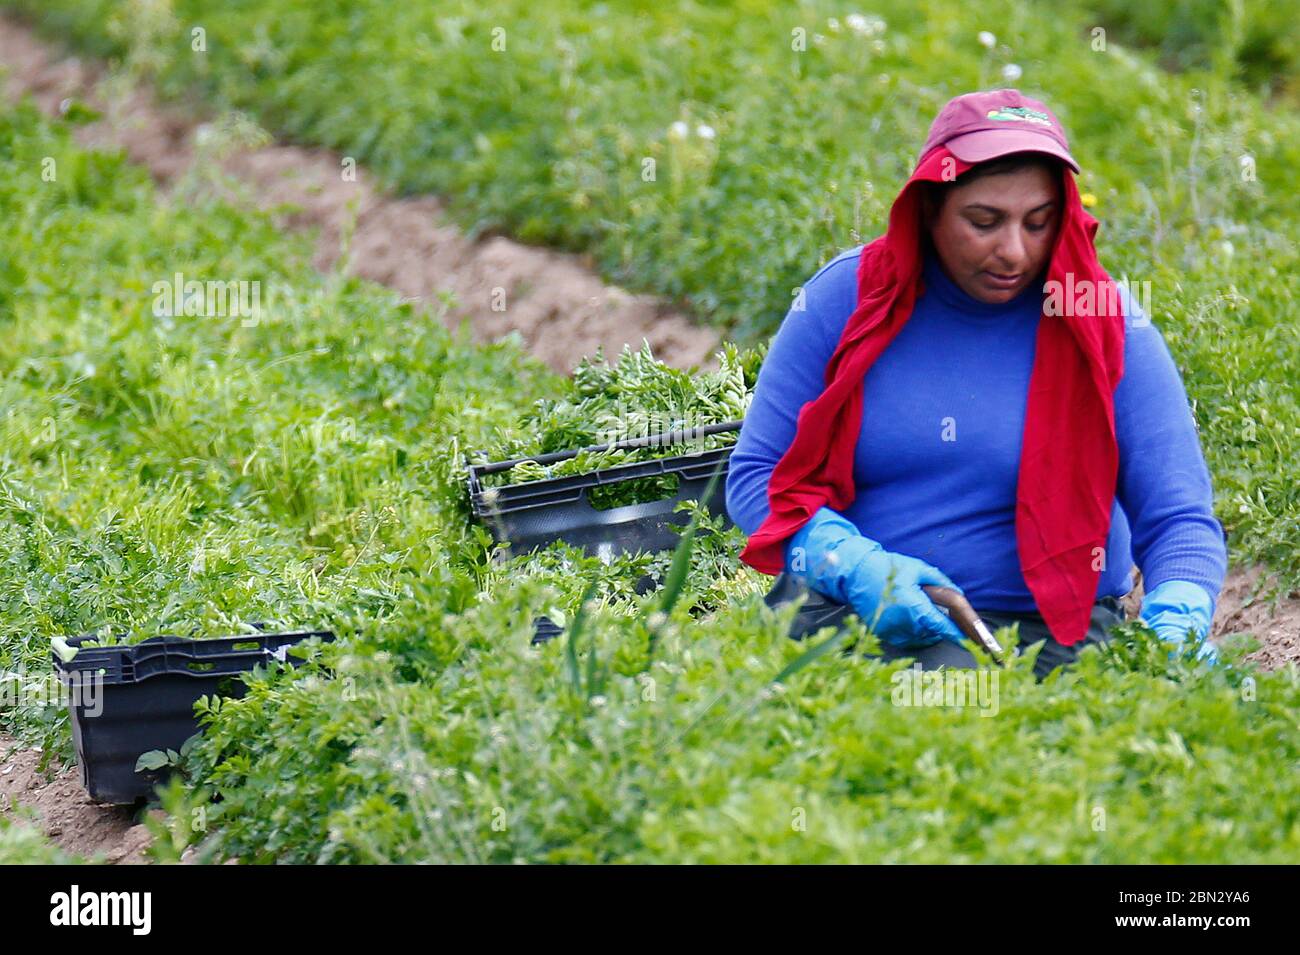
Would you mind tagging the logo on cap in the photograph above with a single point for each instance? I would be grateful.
(1020, 114)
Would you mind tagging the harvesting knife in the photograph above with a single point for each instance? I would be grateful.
(964, 615)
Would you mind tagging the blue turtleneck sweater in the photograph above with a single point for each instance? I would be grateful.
(944, 411)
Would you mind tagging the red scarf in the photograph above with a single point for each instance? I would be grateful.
(1069, 458)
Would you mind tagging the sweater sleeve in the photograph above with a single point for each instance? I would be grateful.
(1163, 484)
(792, 374)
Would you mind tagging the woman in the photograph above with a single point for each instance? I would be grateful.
(977, 405)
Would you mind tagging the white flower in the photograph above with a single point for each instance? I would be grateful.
(833, 24)
(705, 131)
(678, 130)
(1011, 72)
(865, 26)
(987, 39)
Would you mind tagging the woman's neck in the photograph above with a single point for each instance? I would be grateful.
(936, 278)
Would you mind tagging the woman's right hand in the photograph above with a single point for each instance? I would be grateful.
(889, 585)
(883, 588)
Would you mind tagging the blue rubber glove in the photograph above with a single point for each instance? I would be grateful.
(831, 556)
(1175, 606)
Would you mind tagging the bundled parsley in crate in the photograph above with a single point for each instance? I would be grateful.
(637, 396)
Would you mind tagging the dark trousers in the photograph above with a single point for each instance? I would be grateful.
(820, 611)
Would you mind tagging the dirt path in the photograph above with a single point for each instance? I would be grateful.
(1275, 622)
(68, 816)
(554, 300)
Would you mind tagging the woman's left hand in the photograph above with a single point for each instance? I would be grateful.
(1175, 607)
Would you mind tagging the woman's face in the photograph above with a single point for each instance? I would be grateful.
(994, 235)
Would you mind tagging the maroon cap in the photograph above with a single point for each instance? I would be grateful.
(980, 126)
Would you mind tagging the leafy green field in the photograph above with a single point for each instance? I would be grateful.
(21, 843)
(196, 472)
(547, 139)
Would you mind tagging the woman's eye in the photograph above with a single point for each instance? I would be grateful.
(984, 226)
(1035, 227)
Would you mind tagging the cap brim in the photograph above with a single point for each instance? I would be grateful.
(985, 144)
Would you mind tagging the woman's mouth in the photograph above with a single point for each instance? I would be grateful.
(1002, 281)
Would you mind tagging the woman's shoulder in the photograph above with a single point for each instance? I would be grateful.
(1150, 366)
(1141, 336)
(828, 298)
(837, 280)
(836, 267)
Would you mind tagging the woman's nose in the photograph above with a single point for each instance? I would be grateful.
(1012, 249)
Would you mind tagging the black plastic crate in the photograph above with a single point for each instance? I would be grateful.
(544, 628)
(127, 700)
(533, 514)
